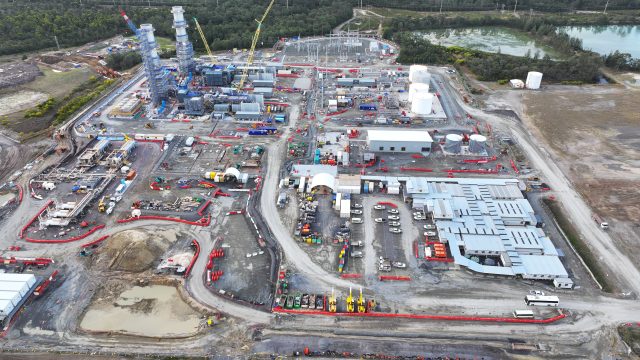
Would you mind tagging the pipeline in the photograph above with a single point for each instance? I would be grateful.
(195, 243)
(393, 278)
(24, 228)
(473, 171)
(62, 241)
(202, 222)
(417, 156)
(416, 169)
(425, 317)
(446, 260)
(204, 207)
(94, 242)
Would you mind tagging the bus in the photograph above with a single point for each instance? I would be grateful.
(539, 300)
(523, 314)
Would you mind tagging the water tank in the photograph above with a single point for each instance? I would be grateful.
(416, 88)
(477, 144)
(419, 74)
(534, 79)
(422, 103)
(453, 143)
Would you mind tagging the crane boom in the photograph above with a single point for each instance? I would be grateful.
(130, 23)
(204, 39)
(254, 42)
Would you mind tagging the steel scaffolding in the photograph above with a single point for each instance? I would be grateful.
(184, 48)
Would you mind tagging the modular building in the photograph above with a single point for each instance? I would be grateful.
(14, 291)
(404, 141)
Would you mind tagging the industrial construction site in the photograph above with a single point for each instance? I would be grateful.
(315, 198)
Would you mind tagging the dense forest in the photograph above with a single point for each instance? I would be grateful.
(538, 5)
(227, 25)
(581, 67)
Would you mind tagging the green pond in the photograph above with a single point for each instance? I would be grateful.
(490, 39)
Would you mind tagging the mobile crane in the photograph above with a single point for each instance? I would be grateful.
(254, 42)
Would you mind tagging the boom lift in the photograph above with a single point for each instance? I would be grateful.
(332, 302)
(254, 42)
(361, 304)
(350, 302)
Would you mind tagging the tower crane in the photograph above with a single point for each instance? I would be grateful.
(254, 42)
(204, 39)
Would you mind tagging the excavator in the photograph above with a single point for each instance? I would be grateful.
(350, 302)
(332, 302)
(361, 304)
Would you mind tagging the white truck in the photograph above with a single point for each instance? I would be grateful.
(603, 224)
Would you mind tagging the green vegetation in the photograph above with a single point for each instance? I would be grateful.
(476, 5)
(58, 84)
(631, 335)
(583, 250)
(79, 98)
(40, 109)
(621, 61)
(29, 26)
(123, 61)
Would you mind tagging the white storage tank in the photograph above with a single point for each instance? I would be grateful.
(477, 144)
(453, 143)
(422, 104)
(415, 71)
(534, 79)
(416, 88)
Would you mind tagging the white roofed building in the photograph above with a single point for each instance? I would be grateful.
(403, 141)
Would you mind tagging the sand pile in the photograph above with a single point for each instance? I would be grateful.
(131, 250)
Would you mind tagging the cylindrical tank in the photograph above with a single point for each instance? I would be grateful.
(422, 103)
(417, 88)
(477, 144)
(534, 79)
(415, 71)
(453, 143)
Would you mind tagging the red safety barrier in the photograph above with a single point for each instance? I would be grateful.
(515, 168)
(388, 204)
(288, 75)
(193, 260)
(351, 276)
(204, 207)
(425, 317)
(26, 261)
(483, 160)
(61, 241)
(219, 192)
(473, 171)
(417, 156)
(202, 222)
(415, 249)
(24, 228)
(235, 212)
(20, 193)
(276, 103)
(393, 278)
(447, 260)
(242, 129)
(337, 112)
(95, 242)
(416, 169)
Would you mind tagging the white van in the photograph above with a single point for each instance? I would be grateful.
(356, 220)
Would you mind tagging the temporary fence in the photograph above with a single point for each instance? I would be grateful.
(61, 241)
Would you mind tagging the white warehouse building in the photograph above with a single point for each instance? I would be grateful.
(402, 141)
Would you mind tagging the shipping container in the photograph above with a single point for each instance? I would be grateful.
(29, 279)
(130, 175)
(6, 306)
(368, 107)
(12, 296)
(302, 185)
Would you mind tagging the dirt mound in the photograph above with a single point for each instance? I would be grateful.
(131, 250)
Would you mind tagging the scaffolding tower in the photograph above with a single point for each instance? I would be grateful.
(158, 78)
(184, 48)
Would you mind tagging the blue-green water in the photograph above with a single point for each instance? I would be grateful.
(607, 38)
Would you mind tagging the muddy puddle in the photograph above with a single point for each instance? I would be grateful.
(155, 310)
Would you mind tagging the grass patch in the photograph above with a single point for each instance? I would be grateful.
(58, 84)
(631, 336)
(85, 93)
(581, 247)
(40, 109)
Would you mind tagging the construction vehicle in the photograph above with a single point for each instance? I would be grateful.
(148, 125)
(101, 205)
(361, 304)
(332, 302)
(603, 224)
(350, 302)
(371, 305)
(204, 39)
(254, 42)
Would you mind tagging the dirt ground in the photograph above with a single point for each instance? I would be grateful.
(593, 132)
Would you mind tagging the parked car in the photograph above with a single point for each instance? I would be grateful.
(393, 211)
(378, 207)
(380, 220)
(357, 243)
(430, 233)
(356, 254)
(393, 217)
(399, 265)
(429, 227)
(356, 206)
(418, 213)
(356, 212)
(419, 218)
(395, 230)
(356, 220)
(394, 223)
(536, 292)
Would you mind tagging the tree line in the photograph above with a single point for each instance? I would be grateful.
(477, 5)
(32, 26)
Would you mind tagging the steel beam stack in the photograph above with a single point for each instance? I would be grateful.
(184, 48)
